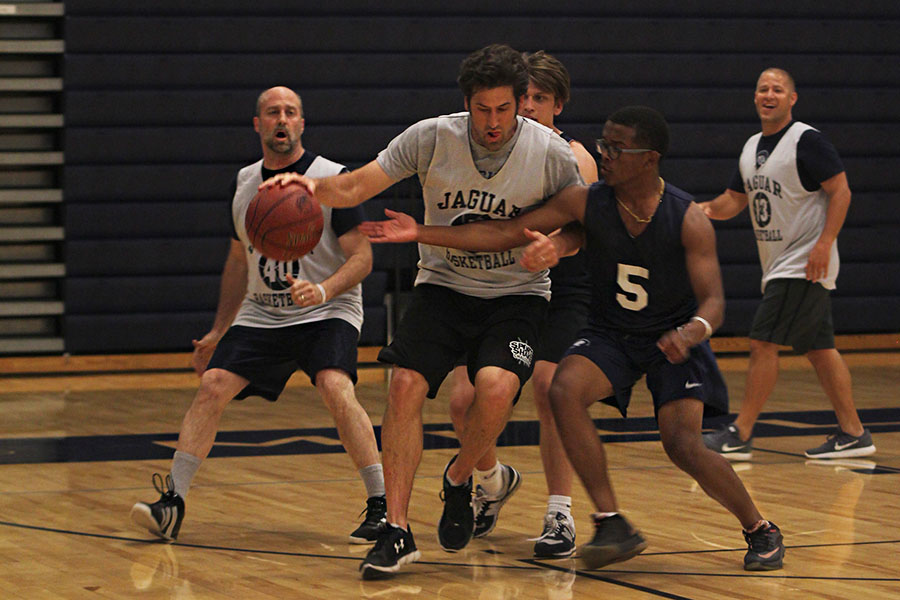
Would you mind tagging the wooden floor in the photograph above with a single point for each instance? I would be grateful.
(269, 517)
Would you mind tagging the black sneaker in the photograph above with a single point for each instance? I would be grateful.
(458, 520)
(766, 552)
(487, 510)
(558, 537)
(394, 548)
(614, 540)
(367, 532)
(843, 445)
(727, 442)
(163, 517)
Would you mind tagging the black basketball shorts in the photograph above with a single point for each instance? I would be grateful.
(267, 357)
(440, 325)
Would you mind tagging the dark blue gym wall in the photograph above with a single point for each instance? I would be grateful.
(159, 100)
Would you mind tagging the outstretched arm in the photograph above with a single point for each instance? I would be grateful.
(545, 251)
(341, 191)
(699, 241)
(483, 236)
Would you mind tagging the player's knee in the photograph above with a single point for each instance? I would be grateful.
(216, 390)
(498, 393)
(407, 391)
(684, 448)
(541, 387)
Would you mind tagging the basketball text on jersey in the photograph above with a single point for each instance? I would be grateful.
(470, 260)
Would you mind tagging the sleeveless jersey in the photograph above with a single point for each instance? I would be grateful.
(640, 284)
(570, 276)
(268, 302)
(455, 193)
(787, 219)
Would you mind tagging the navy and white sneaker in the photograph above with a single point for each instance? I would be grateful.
(163, 517)
(487, 510)
(394, 548)
(558, 537)
(843, 445)
(727, 442)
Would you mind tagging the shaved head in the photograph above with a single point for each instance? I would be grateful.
(279, 91)
(788, 79)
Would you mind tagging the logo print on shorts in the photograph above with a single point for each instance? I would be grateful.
(522, 352)
(581, 342)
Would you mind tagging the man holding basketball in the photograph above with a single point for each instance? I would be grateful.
(274, 317)
(486, 163)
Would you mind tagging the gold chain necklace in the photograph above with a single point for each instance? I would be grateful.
(662, 189)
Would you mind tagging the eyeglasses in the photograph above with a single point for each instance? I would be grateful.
(614, 152)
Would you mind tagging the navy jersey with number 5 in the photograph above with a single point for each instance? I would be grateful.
(640, 284)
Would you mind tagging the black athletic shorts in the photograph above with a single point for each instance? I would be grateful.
(624, 358)
(440, 325)
(795, 312)
(268, 357)
(567, 316)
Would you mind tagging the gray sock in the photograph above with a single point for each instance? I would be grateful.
(373, 478)
(184, 466)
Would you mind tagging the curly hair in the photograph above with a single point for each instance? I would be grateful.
(493, 66)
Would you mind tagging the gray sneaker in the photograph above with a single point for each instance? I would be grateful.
(487, 510)
(727, 442)
(843, 445)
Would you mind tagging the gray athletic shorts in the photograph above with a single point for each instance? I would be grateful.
(795, 312)
(440, 325)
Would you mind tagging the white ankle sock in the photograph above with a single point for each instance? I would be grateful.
(491, 480)
(561, 504)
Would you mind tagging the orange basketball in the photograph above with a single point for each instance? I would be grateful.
(284, 223)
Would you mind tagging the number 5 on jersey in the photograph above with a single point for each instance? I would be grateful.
(637, 298)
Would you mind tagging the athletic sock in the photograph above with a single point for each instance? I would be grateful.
(184, 467)
(561, 504)
(373, 478)
(491, 480)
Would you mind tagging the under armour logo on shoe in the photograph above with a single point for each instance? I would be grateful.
(398, 546)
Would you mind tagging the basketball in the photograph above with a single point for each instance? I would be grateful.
(283, 223)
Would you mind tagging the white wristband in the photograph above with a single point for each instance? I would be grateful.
(706, 324)
(324, 297)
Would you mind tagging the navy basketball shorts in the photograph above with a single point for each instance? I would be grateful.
(795, 312)
(624, 358)
(440, 325)
(267, 357)
(568, 315)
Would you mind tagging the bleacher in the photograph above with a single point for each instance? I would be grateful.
(159, 100)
